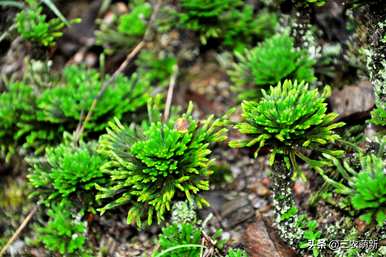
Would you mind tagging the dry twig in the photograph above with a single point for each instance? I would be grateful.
(169, 97)
(19, 230)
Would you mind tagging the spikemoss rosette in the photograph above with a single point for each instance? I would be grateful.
(33, 25)
(273, 61)
(152, 165)
(204, 16)
(36, 117)
(369, 190)
(245, 27)
(289, 118)
(67, 172)
(65, 103)
(124, 30)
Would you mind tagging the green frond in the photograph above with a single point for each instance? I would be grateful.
(125, 29)
(273, 61)
(36, 118)
(32, 24)
(67, 171)
(64, 234)
(176, 235)
(204, 16)
(157, 162)
(289, 116)
(369, 190)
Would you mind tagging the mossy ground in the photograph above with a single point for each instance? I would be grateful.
(242, 187)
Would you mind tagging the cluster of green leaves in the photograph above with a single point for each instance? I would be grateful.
(124, 30)
(34, 118)
(152, 164)
(180, 240)
(311, 233)
(271, 62)
(63, 233)
(204, 16)
(365, 186)
(67, 172)
(184, 239)
(232, 20)
(32, 25)
(288, 119)
(247, 27)
(134, 23)
(65, 103)
(369, 190)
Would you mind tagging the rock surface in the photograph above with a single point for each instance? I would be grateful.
(260, 240)
(353, 100)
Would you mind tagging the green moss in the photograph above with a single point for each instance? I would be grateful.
(125, 29)
(180, 240)
(33, 25)
(271, 62)
(63, 233)
(68, 172)
(151, 165)
(369, 190)
(288, 118)
(35, 118)
(204, 16)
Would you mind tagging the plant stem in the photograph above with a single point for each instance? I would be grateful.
(284, 203)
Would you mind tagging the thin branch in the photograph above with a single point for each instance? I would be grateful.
(79, 130)
(169, 97)
(19, 230)
(9, 30)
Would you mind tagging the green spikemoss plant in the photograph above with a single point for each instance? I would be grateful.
(204, 16)
(32, 25)
(186, 239)
(126, 29)
(370, 190)
(290, 119)
(67, 173)
(65, 103)
(272, 61)
(366, 188)
(154, 164)
(64, 234)
(245, 27)
(38, 117)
